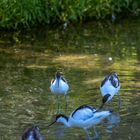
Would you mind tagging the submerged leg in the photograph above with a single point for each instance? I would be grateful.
(87, 134)
(58, 104)
(95, 132)
(66, 99)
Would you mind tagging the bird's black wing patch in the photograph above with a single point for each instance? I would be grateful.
(105, 79)
(84, 106)
(52, 81)
(64, 79)
(113, 81)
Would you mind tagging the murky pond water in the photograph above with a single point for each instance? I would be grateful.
(84, 54)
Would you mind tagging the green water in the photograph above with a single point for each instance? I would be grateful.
(84, 54)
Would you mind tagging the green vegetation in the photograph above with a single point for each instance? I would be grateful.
(27, 13)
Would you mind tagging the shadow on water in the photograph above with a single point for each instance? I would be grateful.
(84, 54)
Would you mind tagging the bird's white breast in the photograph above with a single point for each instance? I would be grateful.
(107, 88)
(59, 88)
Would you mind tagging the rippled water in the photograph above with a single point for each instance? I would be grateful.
(84, 54)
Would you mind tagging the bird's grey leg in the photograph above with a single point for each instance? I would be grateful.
(87, 134)
(95, 132)
(66, 99)
(119, 100)
(58, 104)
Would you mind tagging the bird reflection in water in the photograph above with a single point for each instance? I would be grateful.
(112, 121)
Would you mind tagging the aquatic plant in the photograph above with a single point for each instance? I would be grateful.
(24, 13)
(27, 13)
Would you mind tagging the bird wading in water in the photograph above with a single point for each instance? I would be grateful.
(84, 117)
(59, 86)
(109, 87)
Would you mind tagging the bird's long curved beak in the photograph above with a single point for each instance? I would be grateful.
(51, 123)
(101, 106)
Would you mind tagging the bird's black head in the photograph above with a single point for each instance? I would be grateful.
(58, 119)
(57, 75)
(104, 100)
(61, 116)
(33, 132)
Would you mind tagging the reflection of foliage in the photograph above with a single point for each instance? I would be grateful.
(114, 40)
(15, 13)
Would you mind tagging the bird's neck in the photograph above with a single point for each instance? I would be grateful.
(65, 121)
(57, 82)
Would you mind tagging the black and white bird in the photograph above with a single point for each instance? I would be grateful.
(109, 87)
(59, 86)
(32, 133)
(84, 117)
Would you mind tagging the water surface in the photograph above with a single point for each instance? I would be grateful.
(84, 53)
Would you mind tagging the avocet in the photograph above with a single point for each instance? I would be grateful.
(84, 117)
(109, 87)
(59, 86)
